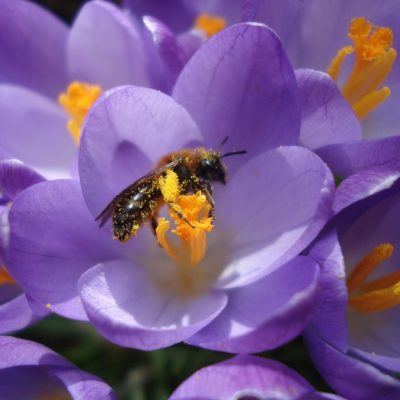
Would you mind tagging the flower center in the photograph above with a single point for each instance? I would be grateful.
(374, 58)
(209, 24)
(77, 100)
(377, 295)
(190, 214)
(5, 277)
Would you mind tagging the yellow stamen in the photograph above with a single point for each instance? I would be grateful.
(370, 102)
(368, 264)
(190, 215)
(209, 24)
(77, 100)
(380, 294)
(5, 277)
(374, 59)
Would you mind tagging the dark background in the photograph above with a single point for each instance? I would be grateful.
(138, 375)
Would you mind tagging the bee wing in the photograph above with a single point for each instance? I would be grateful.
(106, 214)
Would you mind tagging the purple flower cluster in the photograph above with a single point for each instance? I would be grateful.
(91, 109)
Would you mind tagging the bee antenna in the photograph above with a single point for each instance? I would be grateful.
(234, 153)
(224, 140)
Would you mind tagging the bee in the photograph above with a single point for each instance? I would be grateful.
(140, 202)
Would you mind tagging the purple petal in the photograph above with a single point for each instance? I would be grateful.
(22, 356)
(388, 363)
(128, 307)
(15, 315)
(326, 117)
(349, 376)
(52, 231)
(105, 48)
(265, 314)
(270, 210)
(32, 48)
(33, 129)
(177, 14)
(15, 176)
(329, 317)
(311, 40)
(168, 48)
(241, 377)
(125, 135)
(363, 184)
(240, 84)
(346, 159)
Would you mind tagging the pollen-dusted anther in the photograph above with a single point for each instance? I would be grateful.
(209, 24)
(191, 231)
(77, 100)
(380, 294)
(5, 277)
(374, 58)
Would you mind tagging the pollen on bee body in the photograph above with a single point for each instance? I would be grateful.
(77, 101)
(210, 24)
(374, 58)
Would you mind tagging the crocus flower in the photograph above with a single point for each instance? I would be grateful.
(353, 336)
(356, 43)
(50, 76)
(243, 291)
(15, 311)
(30, 370)
(247, 377)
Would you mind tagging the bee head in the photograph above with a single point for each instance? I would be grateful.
(211, 168)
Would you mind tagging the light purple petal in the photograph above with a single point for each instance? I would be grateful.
(265, 314)
(33, 129)
(346, 159)
(349, 376)
(375, 223)
(54, 239)
(15, 176)
(19, 353)
(190, 42)
(15, 315)
(128, 307)
(32, 48)
(125, 135)
(243, 377)
(105, 48)
(270, 210)
(326, 117)
(363, 184)
(240, 84)
(329, 319)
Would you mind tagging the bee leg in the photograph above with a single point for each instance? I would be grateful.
(205, 188)
(154, 225)
(179, 214)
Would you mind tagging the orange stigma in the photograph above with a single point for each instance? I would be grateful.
(377, 295)
(374, 59)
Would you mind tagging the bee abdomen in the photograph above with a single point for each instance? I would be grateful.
(132, 211)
